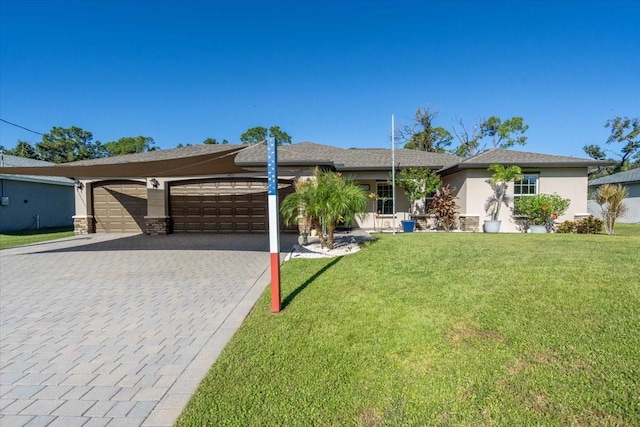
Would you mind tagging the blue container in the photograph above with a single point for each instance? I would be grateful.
(408, 225)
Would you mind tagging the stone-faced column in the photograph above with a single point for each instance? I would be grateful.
(158, 221)
(83, 221)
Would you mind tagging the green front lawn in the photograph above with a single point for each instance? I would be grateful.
(441, 329)
(18, 238)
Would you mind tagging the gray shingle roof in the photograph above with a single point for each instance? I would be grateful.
(632, 175)
(309, 154)
(523, 159)
(346, 159)
(10, 161)
(304, 153)
(366, 158)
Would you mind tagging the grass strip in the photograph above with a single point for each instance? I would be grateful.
(19, 238)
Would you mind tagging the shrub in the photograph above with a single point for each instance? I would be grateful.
(443, 207)
(417, 184)
(541, 209)
(568, 227)
(589, 225)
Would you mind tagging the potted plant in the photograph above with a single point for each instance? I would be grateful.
(417, 184)
(499, 183)
(540, 210)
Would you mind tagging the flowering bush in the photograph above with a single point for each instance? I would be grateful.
(541, 209)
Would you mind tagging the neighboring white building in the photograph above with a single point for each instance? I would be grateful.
(631, 180)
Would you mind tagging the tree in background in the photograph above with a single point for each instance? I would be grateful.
(213, 141)
(423, 135)
(469, 139)
(501, 134)
(23, 149)
(258, 134)
(62, 145)
(625, 131)
(129, 145)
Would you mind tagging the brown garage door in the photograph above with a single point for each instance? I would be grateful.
(222, 206)
(119, 206)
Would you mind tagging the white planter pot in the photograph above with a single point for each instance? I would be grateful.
(492, 226)
(538, 229)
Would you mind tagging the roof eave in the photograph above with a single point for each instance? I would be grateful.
(578, 164)
(382, 168)
(37, 180)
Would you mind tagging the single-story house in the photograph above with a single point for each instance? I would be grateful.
(629, 179)
(222, 188)
(31, 201)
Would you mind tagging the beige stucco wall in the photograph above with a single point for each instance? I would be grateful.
(459, 182)
(83, 201)
(571, 184)
(567, 183)
(372, 221)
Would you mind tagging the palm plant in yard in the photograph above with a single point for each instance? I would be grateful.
(295, 207)
(324, 201)
(611, 200)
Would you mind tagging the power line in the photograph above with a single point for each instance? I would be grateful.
(21, 127)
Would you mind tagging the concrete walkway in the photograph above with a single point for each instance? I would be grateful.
(119, 330)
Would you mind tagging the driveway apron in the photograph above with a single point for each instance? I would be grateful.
(119, 329)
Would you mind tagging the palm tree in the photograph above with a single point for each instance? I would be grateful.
(297, 206)
(325, 201)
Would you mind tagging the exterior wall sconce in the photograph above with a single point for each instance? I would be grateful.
(154, 183)
(78, 184)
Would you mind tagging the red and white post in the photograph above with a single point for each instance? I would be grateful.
(274, 223)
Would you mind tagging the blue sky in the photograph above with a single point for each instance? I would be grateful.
(330, 72)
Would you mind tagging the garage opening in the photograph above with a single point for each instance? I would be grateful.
(119, 206)
(222, 205)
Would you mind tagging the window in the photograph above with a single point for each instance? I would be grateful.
(527, 186)
(384, 193)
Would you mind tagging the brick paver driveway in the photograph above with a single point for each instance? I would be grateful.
(119, 329)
